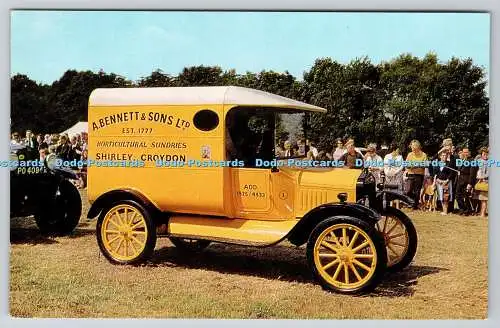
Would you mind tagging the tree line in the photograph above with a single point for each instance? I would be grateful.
(399, 100)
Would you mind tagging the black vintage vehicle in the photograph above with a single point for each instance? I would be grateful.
(398, 230)
(42, 189)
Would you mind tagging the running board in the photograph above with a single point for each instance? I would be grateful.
(226, 230)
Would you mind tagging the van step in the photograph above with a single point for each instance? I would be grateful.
(229, 230)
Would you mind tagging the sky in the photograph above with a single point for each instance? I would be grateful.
(44, 44)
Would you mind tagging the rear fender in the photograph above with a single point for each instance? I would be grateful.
(105, 200)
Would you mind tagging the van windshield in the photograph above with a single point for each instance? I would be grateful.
(290, 139)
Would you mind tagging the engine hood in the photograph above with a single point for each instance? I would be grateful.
(337, 178)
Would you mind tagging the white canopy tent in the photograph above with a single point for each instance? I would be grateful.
(77, 129)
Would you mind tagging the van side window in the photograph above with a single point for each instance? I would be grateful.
(206, 120)
(249, 135)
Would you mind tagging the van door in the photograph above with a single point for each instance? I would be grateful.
(250, 137)
(251, 192)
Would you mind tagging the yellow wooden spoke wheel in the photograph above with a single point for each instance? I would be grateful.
(126, 233)
(400, 238)
(395, 237)
(347, 255)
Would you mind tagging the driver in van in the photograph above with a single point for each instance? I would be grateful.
(240, 140)
(265, 149)
(231, 152)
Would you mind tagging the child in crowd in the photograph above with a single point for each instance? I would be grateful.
(428, 191)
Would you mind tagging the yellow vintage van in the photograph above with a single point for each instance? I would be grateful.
(200, 165)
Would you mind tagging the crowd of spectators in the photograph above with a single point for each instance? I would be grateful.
(65, 147)
(462, 189)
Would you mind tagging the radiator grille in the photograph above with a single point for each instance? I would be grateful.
(309, 199)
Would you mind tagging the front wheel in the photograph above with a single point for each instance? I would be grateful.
(400, 237)
(126, 233)
(346, 255)
(61, 217)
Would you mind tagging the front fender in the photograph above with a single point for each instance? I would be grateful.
(301, 231)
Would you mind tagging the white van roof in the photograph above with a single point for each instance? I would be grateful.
(228, 95)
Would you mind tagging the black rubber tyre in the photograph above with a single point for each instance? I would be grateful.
(378, 252)
(189, 245)
(62, 217)
(149, 230)
(407, 255)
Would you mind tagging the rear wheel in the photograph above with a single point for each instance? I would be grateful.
(61, 217)
(126, 233)
(190, 245)
(346, 255)
(400, 237)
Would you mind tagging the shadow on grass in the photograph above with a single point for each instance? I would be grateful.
(25, 231)
(403, 283)
(31, 236)
(278, 263)
(81, 232)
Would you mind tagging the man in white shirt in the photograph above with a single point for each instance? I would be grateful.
(312, 148)
(288, 149)
(16, 139)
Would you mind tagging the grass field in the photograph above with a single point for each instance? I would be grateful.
(67, 277)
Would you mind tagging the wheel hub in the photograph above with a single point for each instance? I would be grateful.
(126, 233)
(346, 255)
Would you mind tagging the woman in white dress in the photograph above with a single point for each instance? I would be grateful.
(339, 150)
